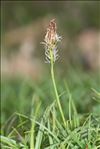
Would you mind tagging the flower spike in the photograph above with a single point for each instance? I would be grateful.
(50, 42)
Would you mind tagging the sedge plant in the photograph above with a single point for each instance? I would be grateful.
(51, 41)
(24, 131)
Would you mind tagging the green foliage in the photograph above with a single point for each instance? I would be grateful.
(36, 122)
(50, 133)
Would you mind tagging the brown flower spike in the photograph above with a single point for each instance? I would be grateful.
(50, 41)
(50, 36)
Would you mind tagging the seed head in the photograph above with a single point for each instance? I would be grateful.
(50, 42)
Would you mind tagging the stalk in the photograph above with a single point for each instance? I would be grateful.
(55, 89)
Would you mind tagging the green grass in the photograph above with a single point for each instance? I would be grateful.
(30, 117)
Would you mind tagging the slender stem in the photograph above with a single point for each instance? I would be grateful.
(55, 90)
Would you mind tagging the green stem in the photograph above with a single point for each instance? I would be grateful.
(55, 89)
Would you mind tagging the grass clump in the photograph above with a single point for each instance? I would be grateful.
(49, 132)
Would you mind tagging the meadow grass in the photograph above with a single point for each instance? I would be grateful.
(30, 117)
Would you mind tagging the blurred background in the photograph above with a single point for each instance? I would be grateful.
(23, 27)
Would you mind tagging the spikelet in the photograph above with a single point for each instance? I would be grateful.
(50, 42)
